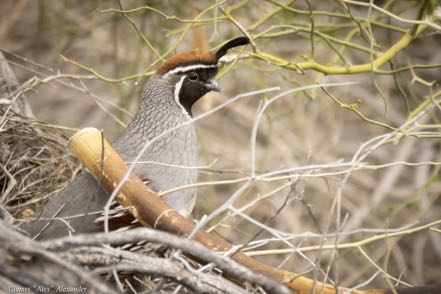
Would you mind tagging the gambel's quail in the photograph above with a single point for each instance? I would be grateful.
(165, 103)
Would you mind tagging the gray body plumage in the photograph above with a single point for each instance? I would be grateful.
(174, 151)
(173, 154)
(165, 104)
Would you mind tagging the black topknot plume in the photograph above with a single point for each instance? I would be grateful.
(240, 41)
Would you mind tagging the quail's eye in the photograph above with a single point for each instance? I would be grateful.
(193, 76)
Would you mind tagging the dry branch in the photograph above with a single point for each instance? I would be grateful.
(108, 169)
(26, 265)
(9, 90)
(108, 259)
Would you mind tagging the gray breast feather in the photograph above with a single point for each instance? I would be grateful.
(157, 113)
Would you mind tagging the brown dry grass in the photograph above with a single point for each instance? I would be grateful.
(35, 164)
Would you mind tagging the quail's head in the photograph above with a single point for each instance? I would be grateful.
(192, 74)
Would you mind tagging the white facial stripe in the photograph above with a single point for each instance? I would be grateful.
(190, 67)
(177, 91)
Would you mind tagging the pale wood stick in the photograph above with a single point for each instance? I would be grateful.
(152, 211)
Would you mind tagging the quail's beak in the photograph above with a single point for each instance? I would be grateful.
(213, 86)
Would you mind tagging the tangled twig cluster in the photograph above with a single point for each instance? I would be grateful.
(35, 163)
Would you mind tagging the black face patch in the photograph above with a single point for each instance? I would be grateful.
(195, 84)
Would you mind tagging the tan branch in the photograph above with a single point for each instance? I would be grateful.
(109, 168)
(152, 211)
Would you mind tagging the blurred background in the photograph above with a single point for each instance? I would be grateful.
(364, 157)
